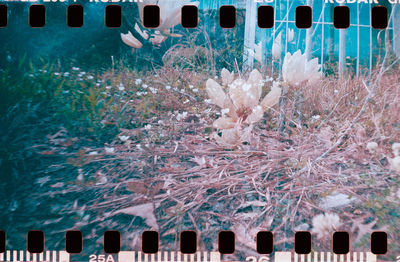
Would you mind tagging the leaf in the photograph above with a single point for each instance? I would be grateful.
(145, 211)
(137, 186)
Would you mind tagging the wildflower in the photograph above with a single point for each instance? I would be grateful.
(157, 38)
(75, 68)
(131, 41)
(66, 74)
(372, 147)
(93, 153)
(256, 53)
(123, 138)
(90, 77)
(153, 90)
(395, 164)
(227, 77)
(109, 150)
(290, 35)
(56, 73)
(145, 86)
(138, 81)
(147, 127)
(121, 87)
(243, 104)
(168, 87)
(296, 69)
(316, 117)
(190, 86)
(325, 224)
(108, 87)
(277, 47)
(182, 116)
(142, 33)
(396, 149)
(195, 90)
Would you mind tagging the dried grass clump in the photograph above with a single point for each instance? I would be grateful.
(275, 181)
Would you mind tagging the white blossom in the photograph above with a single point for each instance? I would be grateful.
(121, 87)
(109, 149)
(277, 47)
(123, 138)
(242, 106)
(396, 149)
(325, 224)
(147, 127)
(372, 147)
(296, 69)
(138, 81)
(131, 41)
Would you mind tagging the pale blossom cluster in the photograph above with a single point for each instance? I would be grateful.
(325, 224)
(240, 106)
(297, 70)
(395, 162)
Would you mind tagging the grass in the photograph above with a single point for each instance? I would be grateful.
(275, 182)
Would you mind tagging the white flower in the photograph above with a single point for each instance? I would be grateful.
(93, 153)
(225, 111)
(145, 86)
(109, 149)
(227, 77)
(75, 68)
(396, 149)
(108, 87)
(258, 52)
(168, 87)
(242, 105)
(138, 81)
(121, 87)
(195, 90)
(90, 77)
(277, 47)
(142, 33)
(147, 127)
(316, 117)
(296, 69)
(372, 147)
(325, 224)
(56, 74)
(131, 41)
(182, 116)
(153, 90)
(123, 138)
(290, 35)
(190, 86)
(66, 74)
(395, 164)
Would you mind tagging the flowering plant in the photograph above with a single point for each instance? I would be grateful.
(241, 106)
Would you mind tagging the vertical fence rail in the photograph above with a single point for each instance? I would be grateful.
(358, 41)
